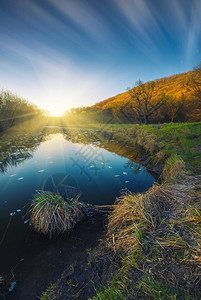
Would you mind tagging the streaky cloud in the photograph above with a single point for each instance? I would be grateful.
(141, 25)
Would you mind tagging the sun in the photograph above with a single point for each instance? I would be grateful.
(55, 107)
(56, 111)
(56, 114)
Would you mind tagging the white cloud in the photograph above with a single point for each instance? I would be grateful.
(193, 32)
(182, 22)
(86, 18)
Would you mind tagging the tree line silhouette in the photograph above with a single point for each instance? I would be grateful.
(14, 109)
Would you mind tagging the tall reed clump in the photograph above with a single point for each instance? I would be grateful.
(51, 214)
(174, 166)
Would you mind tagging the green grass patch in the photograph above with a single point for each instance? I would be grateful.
(154, 289)
(48, 294)
(117, 290)
(183, 139)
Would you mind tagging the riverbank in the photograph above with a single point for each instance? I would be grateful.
(157, 234)
(138, 251)
(155, 142)
(151, 249)
(160, 141)
(152, 246)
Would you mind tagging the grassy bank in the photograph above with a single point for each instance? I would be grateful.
(156, 236)
(162, 141)
(153, 239)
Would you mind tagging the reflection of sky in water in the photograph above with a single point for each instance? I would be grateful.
(98, 174)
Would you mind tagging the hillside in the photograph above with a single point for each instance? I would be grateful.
(173, 85)
(170, 99)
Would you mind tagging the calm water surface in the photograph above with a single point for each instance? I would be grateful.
(60, 163)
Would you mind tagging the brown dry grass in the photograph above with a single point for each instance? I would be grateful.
(158, 236)
(159, 158)
(123, 227)
(147, 141)
(183, 230)
(51, 214)
(136, 214)
(174, 167)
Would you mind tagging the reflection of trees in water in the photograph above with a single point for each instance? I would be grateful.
(18, 148)
(103, 139)
(134, 166)
(99, 138)
(13, 160)
(79, 135)
(15, 148)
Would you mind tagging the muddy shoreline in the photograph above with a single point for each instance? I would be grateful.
(63, 253)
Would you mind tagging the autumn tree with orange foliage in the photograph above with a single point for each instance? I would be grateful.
(194, 86)
(176, 98)
(196, 82)
(143, 104)
(174, 109)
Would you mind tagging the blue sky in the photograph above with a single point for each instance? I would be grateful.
(68, 53)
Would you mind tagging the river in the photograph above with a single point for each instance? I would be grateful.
(71, 162)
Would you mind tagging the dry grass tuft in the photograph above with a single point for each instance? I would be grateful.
(135, 214)
(127, 222)
(174, 167)
(157, 238)
(184, 232)
(162, 199)
(193, 222)
(51, 214)
(159, 157)
(147, 141)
